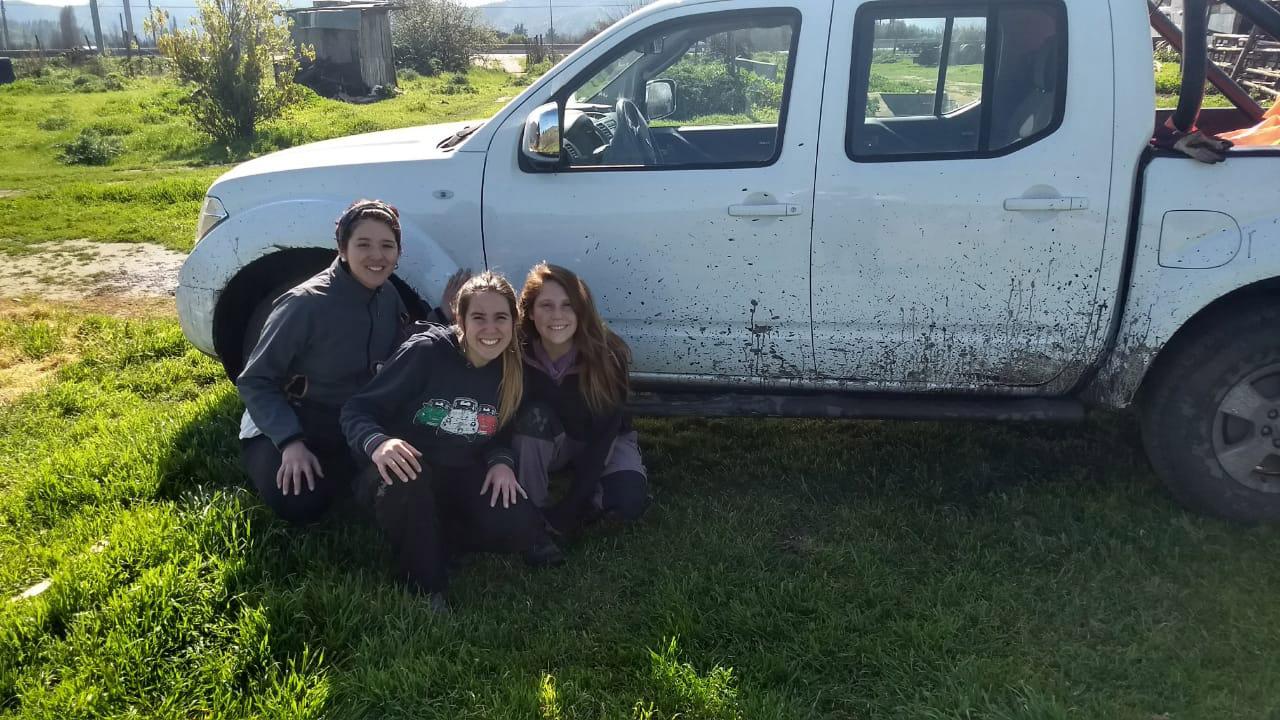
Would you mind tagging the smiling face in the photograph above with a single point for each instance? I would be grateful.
(487, 327)
(371, 252)
(554, 319)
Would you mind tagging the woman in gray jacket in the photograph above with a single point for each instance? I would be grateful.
(322, 342)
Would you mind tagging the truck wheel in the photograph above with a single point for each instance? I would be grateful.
(1211, 416)
(258, 318)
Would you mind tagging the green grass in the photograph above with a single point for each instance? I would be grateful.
(152, 192)
(788, 569)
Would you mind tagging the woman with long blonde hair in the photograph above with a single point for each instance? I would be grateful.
(435, 424)
(574, 411)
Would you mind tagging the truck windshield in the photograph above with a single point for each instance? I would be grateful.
(597, 89)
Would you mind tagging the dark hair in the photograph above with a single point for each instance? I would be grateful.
(366, 210)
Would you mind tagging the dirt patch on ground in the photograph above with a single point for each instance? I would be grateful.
(9, 193)
(80, 271)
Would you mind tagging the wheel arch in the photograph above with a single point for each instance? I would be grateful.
(257, 282)
(1265, 290)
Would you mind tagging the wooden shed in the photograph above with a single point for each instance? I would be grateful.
(352, 41)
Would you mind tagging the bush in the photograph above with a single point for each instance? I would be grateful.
(458, 84)
(54, 123)
(433, 36)
(1168, 78)
(90, 147)
(239, 62)
(408, 75)
(708, 88)
(113, 127)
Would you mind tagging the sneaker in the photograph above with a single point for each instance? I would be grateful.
(544, 553)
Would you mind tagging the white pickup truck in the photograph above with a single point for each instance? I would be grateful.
(845, 208)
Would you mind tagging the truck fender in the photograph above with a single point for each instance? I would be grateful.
(1166, 304)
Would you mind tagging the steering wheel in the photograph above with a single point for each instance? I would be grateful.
(632, 143)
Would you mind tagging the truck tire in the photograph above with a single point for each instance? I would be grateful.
(258, 318)
(1211, 414)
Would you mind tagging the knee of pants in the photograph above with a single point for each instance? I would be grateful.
(299, 509)
(625, 493)
(537, 420)
(400, 507)
(508, 529)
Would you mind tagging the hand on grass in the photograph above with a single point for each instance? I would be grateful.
(502, 479)
(396, 458)
(297, 463)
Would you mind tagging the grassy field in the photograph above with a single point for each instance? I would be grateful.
(152, 192)
(786, 570)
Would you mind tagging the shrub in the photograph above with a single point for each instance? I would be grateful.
(54, 123)
(91, 147)
(114, 127)
(458, 84)
(239, 63)
(433, 36)
(408, 75)
(1168, 78)
(708, 88)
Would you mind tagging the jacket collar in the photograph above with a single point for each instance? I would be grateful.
(346, 284)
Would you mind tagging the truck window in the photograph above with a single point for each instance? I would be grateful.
(970, 80)
(704, 91)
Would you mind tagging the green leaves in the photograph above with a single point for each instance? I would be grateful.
(239, 62)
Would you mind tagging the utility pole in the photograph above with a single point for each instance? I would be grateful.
(151, 14)
(128, 23)
(123, 40)
(97, 27)
(551, 34)
(4, 26)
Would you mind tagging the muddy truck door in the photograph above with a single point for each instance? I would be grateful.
(962, 193)
(684, 190)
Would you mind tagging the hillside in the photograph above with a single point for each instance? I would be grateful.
(571, 17)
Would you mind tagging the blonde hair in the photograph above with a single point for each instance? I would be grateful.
(603, 356)
(511, 390)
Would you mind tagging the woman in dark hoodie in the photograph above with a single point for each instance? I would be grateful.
(323, 341)
(576, 385)
(435, 424)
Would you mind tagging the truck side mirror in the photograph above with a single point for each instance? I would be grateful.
(540, 145)
(659, 99)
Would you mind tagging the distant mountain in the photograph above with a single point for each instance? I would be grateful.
(571, 18)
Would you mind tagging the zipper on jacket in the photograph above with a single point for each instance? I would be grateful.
(371, 311)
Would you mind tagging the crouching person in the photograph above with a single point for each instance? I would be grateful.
(320, 345)
(574, 415)
(435, 426)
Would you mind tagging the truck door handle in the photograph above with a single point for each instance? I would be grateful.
(1057, 204)
(770, 210)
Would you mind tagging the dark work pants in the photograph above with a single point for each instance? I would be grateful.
(441, 513)
(324, 439)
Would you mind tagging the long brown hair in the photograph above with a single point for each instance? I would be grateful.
(511, 390)
(603, 357)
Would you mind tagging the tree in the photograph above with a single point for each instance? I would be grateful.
(239, 63)
(431, 36)
(519, 30)
(68, 29)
